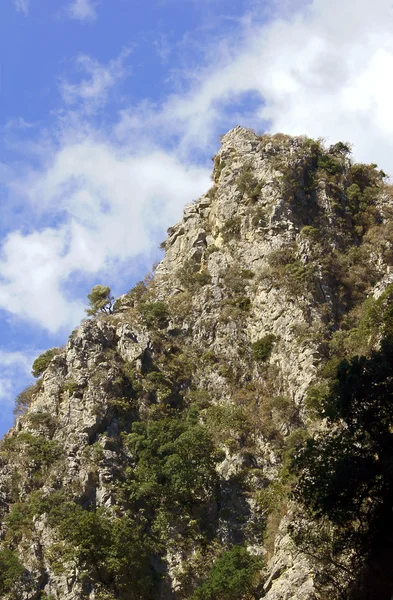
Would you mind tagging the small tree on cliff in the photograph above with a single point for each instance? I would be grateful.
(100, 300)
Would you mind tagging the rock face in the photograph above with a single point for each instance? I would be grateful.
(155, 439)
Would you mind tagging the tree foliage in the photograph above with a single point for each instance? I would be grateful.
(100, 300)
(11, 571)
(154, 313)
(175, 463)
(112, 550)
(232, 576)
(346, 471)
(42, 362)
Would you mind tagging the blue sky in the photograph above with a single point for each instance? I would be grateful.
(111, 110)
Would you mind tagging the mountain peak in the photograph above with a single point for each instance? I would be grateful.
(151, 457)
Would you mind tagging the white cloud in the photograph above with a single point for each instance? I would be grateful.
(83, 10)
(93, 90)
(11, 359)
(322, 71)
(22, 6)
(112, 204)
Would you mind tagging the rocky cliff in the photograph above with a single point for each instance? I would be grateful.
(151, 458)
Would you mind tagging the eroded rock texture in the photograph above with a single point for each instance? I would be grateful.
(155, 440)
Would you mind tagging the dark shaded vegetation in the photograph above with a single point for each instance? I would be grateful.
(346, 470)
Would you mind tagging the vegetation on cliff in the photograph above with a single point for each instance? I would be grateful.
(236, 401)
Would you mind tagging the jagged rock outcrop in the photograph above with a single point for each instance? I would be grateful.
(223, 342)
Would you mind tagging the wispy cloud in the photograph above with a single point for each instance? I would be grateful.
(92, 90)
(83, 10)
(163, 48)
(22, 6)
(321, 71)
(10, 359)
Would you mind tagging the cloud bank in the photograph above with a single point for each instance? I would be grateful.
(112, 206)
(323, 71)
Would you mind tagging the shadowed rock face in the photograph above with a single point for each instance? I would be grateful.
(219, 347)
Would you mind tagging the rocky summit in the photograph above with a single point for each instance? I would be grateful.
(224, 430)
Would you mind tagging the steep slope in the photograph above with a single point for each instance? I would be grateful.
(152, 459)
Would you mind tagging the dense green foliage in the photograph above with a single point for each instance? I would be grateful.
(154, 313)
(42, 362)
(11, 571)
(262, 348)
(113, 551)
(100, 300)
(248, 184)
(37, 450)
(232, 577)
(174, 474)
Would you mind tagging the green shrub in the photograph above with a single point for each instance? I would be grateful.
(71, 386)
(175, 461)
(262, 348)
(19, 522)
(157, 382)
(136, 294)
(244, 303)
(42, 419)
(42, 362)
(174, 479)
(248, 184)
(103, 543)
(227, 423)
(203, 278)
(42, 451)
(330, 164)
(190, 279)
(315, 397)
(340, 148)
(310, 232)
(233, 576)
(247, 274)
(210, 250)
(154, 313)
(11, 571)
